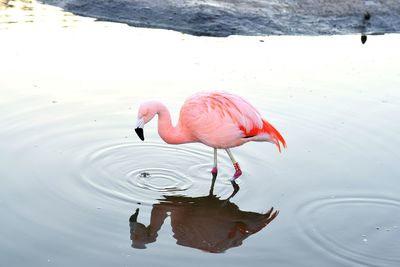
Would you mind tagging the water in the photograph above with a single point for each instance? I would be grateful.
(256, 17)
(73, 172)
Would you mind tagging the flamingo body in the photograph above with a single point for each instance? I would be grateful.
(224, 120)
(217, 119)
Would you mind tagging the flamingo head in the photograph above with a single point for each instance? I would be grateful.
(146, 112)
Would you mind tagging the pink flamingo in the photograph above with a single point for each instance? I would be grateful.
(220, 120)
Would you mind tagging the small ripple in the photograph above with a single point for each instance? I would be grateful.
(354, 228)
(159, 180)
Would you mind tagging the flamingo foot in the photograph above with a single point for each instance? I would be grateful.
(214, 171)
(238, 172)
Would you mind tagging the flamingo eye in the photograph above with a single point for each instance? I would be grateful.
(143, 113)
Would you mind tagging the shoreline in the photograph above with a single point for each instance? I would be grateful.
(19, 12)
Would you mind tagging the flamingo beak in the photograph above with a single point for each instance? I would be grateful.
(139, 128)
(139, 132)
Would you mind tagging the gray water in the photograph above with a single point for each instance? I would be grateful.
(241, 17)
(73, 172)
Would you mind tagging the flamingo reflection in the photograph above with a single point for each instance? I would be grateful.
(207, 223)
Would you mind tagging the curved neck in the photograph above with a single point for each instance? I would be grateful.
(169, 133)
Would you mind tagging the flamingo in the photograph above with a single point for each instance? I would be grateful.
(220, 120)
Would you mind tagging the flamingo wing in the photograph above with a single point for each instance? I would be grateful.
(223, 120)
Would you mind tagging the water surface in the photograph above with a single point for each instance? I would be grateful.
(73, 172)
(241, 17)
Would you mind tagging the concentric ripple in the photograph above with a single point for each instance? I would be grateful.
(143, 172)
(160, 180)
(355, 228)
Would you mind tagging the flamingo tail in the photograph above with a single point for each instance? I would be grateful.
(275, 135)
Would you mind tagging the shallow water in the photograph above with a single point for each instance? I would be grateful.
(73, 172)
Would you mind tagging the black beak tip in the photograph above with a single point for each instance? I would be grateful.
(139, 132)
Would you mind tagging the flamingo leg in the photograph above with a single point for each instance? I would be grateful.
(238, 171)
(214, 170)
